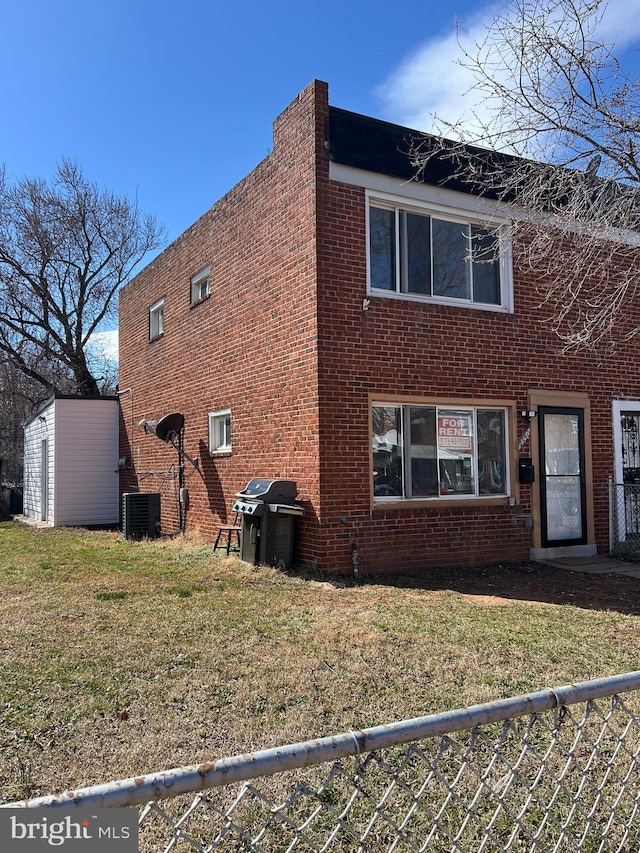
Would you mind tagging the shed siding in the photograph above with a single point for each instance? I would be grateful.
(82, 462)
(37, 430)
(86, 462)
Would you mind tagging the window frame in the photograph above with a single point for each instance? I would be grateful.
(509, 497)
(492, 222)
(196, 282)
(220, 443)
(156, 320)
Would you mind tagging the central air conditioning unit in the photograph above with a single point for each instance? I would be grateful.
(141, 515)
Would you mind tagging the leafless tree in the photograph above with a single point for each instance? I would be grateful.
(20, 397)
(558, 136)
(66, 247)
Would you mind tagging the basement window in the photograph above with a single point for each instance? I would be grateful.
(220, 431)
(156, 320)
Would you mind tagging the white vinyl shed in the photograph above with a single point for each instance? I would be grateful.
(71, 462)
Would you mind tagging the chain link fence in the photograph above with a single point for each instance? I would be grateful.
(555, 770)
(624, 520)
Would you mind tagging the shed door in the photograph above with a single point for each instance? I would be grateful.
(562, 486)
(44, 479)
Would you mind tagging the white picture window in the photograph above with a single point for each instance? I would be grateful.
(220, 431)
(438, 452)
(200, 286)
(437, 256)
(156, 320)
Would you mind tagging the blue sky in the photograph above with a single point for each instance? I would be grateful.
(175, 101)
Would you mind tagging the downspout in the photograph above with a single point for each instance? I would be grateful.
(130, 392)
(355, 559)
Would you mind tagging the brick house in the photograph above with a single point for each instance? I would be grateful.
(310, 327)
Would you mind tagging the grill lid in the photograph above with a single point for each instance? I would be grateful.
(273, 491)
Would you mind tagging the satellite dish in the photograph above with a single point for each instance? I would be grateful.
(170, 426)
(169, 429)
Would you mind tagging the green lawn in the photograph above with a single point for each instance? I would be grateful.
(121, 658)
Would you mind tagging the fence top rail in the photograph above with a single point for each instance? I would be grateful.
(139, 790)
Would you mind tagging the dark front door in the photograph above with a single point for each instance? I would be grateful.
(562, 476)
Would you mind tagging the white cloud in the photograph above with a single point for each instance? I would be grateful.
(104, 345)
(620, 25)
(431, 81)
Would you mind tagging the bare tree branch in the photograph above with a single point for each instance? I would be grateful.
(562, 142)
(66, 247)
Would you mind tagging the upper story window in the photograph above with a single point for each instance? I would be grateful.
(439, 452)
(220, 431)
(156, 320)
(200, 286)
(439, 257)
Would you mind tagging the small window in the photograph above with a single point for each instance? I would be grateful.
(200, 287)
(156, 320)
(220, 431)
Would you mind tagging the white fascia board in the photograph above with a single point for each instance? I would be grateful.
(438, 198)
(484, 208)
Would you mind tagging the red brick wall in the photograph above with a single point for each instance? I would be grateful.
(250, 347)
(284, 343)
(408, 348)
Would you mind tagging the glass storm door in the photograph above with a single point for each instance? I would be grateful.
(629, 523)
(562, 483)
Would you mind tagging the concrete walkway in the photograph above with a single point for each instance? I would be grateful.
(596, 565)
(31, 522)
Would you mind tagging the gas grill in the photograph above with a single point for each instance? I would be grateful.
(260, 496)
(269, 510)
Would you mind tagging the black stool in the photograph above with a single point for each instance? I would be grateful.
(230, 530)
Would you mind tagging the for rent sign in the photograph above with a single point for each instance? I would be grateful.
(455, 431)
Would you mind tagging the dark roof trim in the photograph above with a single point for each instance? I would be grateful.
(379, 146)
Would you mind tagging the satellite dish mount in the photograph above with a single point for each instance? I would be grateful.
(170, 429)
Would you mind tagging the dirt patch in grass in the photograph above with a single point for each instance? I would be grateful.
(485, 600)
(536, 583)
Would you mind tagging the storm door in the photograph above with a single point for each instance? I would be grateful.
(562, 477)
(630, 451)
(44, 480)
